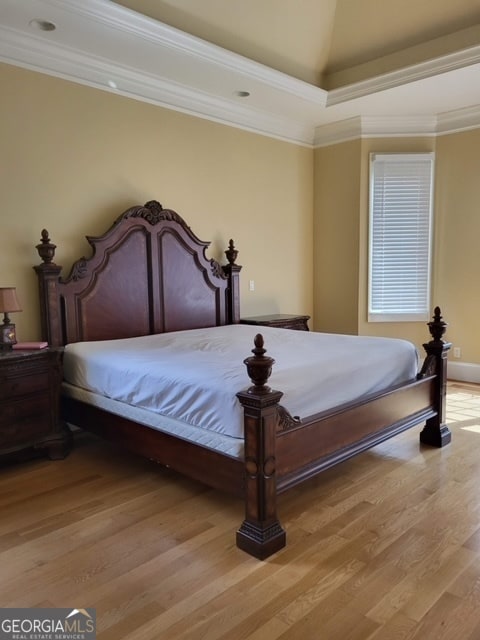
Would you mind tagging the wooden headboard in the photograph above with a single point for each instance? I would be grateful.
(148, 274)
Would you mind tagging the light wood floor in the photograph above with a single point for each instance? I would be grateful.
(385, 546)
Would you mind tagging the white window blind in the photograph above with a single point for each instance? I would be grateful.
(401, 187)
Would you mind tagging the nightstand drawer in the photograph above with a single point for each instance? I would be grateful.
(20, 410)
(21, 385)
(24, 430)
(30, 404)
(297, 325)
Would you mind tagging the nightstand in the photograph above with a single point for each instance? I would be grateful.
(29, 404)
(281, 320)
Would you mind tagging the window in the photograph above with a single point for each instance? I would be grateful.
(400, 235)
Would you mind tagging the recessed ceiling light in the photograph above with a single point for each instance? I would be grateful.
(112, 84)
(42, 25)
(241, 94)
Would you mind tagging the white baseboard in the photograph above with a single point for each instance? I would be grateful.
(463, 371)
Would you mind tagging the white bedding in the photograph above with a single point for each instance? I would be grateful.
(193, 376)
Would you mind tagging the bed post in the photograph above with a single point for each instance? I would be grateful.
(232, 271)
(436, 431)
(261, 533)
(48, 274)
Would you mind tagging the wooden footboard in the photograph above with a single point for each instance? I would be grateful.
(281, 451)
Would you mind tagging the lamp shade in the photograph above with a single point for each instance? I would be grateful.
(8, 300)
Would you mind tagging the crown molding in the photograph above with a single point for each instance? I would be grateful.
(374, 127)
(153, 62)
(124, 20)
(336, 132)
(397, 126)
(106, 46)
(420, 71)
(459, 120)
(35, 54)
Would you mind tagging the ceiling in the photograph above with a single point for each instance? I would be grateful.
(316, 71)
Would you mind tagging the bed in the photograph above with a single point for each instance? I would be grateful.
(148, 281)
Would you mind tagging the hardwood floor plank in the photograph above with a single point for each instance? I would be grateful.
(385, 546)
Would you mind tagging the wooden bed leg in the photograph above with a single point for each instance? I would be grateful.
(260, 534)
(436, 431)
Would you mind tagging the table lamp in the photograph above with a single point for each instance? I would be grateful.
(8, 304)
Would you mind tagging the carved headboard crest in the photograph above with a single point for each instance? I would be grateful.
(153, 212)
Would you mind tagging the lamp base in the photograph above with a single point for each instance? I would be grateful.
(7, 336)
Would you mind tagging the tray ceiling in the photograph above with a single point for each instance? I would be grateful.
(317, 74)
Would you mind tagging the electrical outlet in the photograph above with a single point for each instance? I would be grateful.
(251, 285)
(457, 352)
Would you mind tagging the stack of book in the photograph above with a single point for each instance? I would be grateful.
(30, 345)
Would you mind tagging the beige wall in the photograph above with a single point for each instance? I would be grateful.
(73, 158)
(336, 237)
(457, 262)
(341, 220)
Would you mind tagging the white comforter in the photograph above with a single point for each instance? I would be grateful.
(193, 376)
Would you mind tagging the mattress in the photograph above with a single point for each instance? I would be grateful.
(192, 377)
(227, 445)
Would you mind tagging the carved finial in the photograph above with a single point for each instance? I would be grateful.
(231, 252)
(437, 326)
(154, 206)
(259, 342)
(259, 367)
(46, 249)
